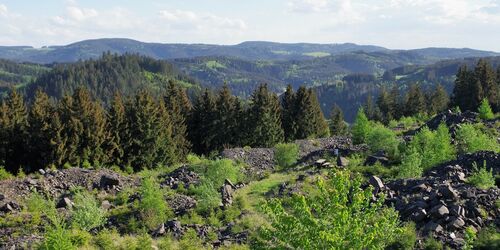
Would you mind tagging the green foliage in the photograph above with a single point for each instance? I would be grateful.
(485, 111)
(57, 238)
(153, 208)
(406, 239)
(469, 237)
(482, 178)
(381, 138)
(214, 173)
(361, 127)
(4, 175)
(432, 244)
(411, 166)
(434, 146)
(87, 214)
(286, 154)
(320, 221)
(470, 139)
(36, 205)
(337, 124)
(487, 238)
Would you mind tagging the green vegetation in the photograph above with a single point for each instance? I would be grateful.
(487, 238)
(317, 54)
(361, 127)
(471, 139)
(381, 138)
(482, 178)
(286, 154)
(485, 111)
(318, 220)
(411, 166)
(86, 213)
(152, 206)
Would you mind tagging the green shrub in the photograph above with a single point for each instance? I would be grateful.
(411, 166)
(382, 138)
(36, 206)
(482, 178)
(87, 213)
(406, 239)
(190, 241)
(106, 239)
(485, 111)
(471, 139)
(469, 237)
(153, 208)
(57, 237)
(286, 154)
(434, 146)
(144, 242)
(432, 244)
(4, 175)
(487, 238)
(340, 215)
(361, 127)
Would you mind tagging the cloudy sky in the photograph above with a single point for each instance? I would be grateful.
(391, 23)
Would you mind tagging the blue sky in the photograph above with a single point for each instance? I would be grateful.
(399, 24)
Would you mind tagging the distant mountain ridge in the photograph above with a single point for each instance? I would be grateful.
(251, 50)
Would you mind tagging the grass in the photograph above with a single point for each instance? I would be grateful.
(255, 191)
(214, 65)
(316, 54)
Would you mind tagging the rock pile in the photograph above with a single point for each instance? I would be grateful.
(451, 119)
(181, 176)
(259, 160)
(181, 204)
(442, 203)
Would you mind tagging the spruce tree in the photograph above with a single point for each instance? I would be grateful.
(227, 124)
(15, 134)
(310, 121)
(264, 118)
(386, 104)
(438, 100)
(201, 131)
(485, 111)
(337, 124)
(486, 76)
(462, 92)
(371, 109)
(289, 108)
(118, 127)
(415, 101)
(178, 106)
(41, 132)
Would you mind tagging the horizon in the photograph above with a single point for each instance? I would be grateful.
(395, 24)
(236, 43)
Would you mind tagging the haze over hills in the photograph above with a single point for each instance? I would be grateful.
(247, 50)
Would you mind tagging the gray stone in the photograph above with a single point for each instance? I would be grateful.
(2, 197)
(65, 203)
(342, 161)
(439, 211)
(448, 192)
(376, 183)
(41, 171)
(109, 181)
(433, 227)
(457, 223)
(106, 205)
(418, 215)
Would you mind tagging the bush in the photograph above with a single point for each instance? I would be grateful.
(471, 139)
(432, 244)
(411, 166)
(361, 127)
(482, 178)
(382, 138)
(434, 146)
(57, 237)
(286, 154)
(4, 175)
(153, 208)
(86, 213)
(36, 206)
(338, 215)
(406, 239)
(485, 111)
(488, 238)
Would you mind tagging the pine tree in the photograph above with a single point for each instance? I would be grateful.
(337, 124)
(289, 108)
(178, 106)
(310, 121)
(415, 101)
(462, 94)
(438, 100)
(371, 109)
(386, 104)
(202, 123)
(397, 105)
(264, 118)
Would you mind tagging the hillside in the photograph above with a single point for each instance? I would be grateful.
(246, 50)
(17, 75)
(105, 76)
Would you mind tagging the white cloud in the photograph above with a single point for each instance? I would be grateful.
(3, 10)
(187, 19)
(308, 5)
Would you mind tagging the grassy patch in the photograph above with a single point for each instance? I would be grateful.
(316, 54)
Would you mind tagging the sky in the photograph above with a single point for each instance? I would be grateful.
(395, 24)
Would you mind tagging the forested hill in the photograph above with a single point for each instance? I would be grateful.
(14, 74)
(246, 50)
(109, 74)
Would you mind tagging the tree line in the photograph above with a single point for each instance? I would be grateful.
(143, 131)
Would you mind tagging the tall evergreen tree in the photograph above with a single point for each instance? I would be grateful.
(337, 124)
(438, 100)
(178, 106)
(415, 101)
(462, 91)
(202, 123)
(264, 118)
(289, 109)
(486, 76)
(14, 136)
(386, 104)
(397, 104)
(118, 127)
(227, 124)
(310, 121)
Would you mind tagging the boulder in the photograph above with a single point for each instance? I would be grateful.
(342, 162)
(456, 223)
(448, 192)
(109, 181)
(439, 211)
(227, 193)
(376, 183)
(65, 202)
(433, 227)
(181, 204)
(106, 205)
